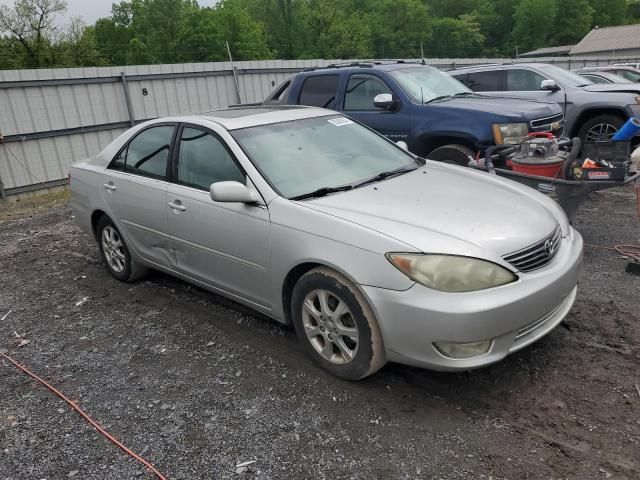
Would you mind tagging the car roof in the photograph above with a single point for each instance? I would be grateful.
(242, 117)
(497, 66)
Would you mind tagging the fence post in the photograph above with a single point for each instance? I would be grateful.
(235, 74)
(3, 194)
(127, 99)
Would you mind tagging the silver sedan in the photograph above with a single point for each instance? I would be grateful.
(372, 254)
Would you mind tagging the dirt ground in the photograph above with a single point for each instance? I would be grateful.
(199, 384)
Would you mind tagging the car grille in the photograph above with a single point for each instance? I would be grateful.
(554, 124)
(537, 255)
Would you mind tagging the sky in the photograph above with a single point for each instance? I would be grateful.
(91, 10)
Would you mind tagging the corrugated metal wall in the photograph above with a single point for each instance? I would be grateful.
(52, 117)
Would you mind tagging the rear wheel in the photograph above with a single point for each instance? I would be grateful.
(453, 153)
(115, 253)
(600, 127)
(336, 325)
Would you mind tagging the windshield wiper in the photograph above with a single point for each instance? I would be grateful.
(384, 175)
(441, 97)
(321, 192)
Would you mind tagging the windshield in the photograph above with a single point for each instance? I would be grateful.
(303, 156)
(630, 75)
(423, 84)
(565, 77)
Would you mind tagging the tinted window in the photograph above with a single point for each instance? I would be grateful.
(361, 90)
(486, 81)
(319, 91)
(629, 75)
(523, 80)
(204, 160)
(147, 153)
(281, 94)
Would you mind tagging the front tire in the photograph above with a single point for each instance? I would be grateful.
(454, 154)
(115, 254)
(336, 325)
(600, 127)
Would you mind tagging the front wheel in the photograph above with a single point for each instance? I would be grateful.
(454, 154)
(600, 127)
(336, 325)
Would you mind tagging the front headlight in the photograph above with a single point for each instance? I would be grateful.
(450, 273)
(509, 133)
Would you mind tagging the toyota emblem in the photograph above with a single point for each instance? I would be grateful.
(549, 247)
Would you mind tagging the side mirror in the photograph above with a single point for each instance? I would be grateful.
(403, 145)
(232, 192)
(549, 85)
(385, 101)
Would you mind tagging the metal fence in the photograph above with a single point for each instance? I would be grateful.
(50, 118)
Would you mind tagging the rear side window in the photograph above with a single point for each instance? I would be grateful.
(523, 80)
(147, 153)
(281, 94)
(486, 81)
(319, 91)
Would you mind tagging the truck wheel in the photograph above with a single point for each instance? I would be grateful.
(600, 127)
(454, 154)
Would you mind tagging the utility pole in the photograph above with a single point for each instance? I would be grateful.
(235, 75)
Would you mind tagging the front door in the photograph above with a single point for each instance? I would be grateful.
(225, 245)
(358, 104)
(135, 192)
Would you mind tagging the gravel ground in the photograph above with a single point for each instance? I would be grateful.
(199, 384)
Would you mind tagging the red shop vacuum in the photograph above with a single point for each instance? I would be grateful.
(540, 154)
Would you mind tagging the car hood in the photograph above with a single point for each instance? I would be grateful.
(613, 87)
(506, 106)
(434, 205)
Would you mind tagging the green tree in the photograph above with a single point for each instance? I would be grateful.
(32, 24)
(533, 24)
(572, 22)
(455, 37)
(608, 12)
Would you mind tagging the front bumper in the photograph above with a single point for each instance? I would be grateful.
(512, 316)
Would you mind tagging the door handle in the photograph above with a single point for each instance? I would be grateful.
(177, 205)
(110, 186)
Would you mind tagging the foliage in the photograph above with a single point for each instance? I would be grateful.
(169, 31)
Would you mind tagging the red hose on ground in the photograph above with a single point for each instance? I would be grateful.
(92, 422)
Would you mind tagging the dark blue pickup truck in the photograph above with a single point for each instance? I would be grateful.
(436, 115)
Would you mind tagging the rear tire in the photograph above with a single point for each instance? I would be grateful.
(336, 325)
(454, 154)
(600, 127)
(115, 254)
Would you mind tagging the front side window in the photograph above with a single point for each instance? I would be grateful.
(320, 91)
(203, 160)
(629, 75)
(361, 90)
(523, 80)
(302, 156)
(147, 153)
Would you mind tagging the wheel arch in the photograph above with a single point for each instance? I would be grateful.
(296, 272)
(427, 143)
(95, 219)
(592, 112)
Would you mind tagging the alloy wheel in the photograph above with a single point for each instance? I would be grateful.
(330, 326)
(113, 248)
(600, 132)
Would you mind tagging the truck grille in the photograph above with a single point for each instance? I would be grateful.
(537, 255)
(553, 124)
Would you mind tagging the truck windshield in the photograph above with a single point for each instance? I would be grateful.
(326, 153)
(423, 84)
(565, 77)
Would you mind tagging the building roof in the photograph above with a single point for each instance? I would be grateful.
(549, 51)
(609, 39)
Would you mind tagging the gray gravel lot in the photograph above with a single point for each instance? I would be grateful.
(199, 384)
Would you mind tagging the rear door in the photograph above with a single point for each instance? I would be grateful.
(357, 102)
(225, 245)
(135, 191)
(320, 91)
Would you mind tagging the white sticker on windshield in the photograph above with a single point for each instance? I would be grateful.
(339, 122)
